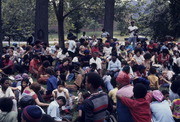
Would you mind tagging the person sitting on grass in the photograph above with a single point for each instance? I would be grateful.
(140, 105)
(7, 115)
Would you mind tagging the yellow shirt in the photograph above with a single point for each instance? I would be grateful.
(154, 81)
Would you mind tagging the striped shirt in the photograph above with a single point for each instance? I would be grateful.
(95, 107)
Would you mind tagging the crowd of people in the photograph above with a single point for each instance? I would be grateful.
(91, 80)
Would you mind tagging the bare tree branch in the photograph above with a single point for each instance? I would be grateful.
(55, 8)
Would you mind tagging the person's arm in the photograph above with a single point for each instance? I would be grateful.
(126, 101)
(40, 103)
(66, 93)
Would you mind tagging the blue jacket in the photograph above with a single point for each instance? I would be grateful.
(51, 84)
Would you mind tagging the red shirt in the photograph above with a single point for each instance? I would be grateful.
(139, 108)
(8, 63)
(33, 64)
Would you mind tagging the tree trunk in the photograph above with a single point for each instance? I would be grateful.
(1, 44)
(41, 21)
(61, 33)
(109, 16)
(60, 19)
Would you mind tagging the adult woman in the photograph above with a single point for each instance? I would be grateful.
(32, 90)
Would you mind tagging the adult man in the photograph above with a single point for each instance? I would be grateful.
(54, 108)
(72, 46)
(133, 33)
(96, 105)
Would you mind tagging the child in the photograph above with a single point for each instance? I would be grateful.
(154, 80)
(140, 106)
(161, 111)
(175, 108)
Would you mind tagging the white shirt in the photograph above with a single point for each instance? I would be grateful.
(54, 111)
(161, 111)
(97, 61)
(131, 28)
(104, 35)
(139, 60)
(8, 93)
(72, 46)
(107, 51)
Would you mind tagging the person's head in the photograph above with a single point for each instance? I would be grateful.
(76, 65)
(126, 69)
(147, 56)
(166, 94)
(152, 70)
(114, 57)
(84, 33)
(25, 82)
(103, 30)
(93, 66)
(6, 104)
(18, 77)
(46, 64)
(93, 81)
(122, 47)
(60, 85)
(61, 101)
(26, 100)
(5, 82)
(137, 52)
(132, 23)
(86, 52)
(95, 54)
(65, 62)
(50, 71)
(36, 57)
(140, 91)
(35, 87)
(165, 52)
(107, 44)
(7, 57)
(157, 95)
(123, 79)
(31, 113)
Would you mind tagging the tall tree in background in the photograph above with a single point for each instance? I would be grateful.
(0, 32)
(41, 20)
(109, 16)
(61, 14)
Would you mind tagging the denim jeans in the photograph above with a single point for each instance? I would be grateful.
(134, 40)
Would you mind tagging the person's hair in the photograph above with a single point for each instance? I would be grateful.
(139, 90)
(46, 63)
(126, 69)
(50, 71)
(26, 101)
(152, 70)
(86, 95)
(165, 92)
(6, 104)
(94, 79)
(35, 87)
(103, 30)
(27, 82)
(175, 86)
(93, 65)
(47, 118)
(165, 51)
(147, 56)
(35, 56)
(63, 99)
(3, 80)
(137, 50)
(60, 83)
(65, 59)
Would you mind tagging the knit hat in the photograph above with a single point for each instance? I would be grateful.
(123, 78)
(25, 75)
(32, 113)
(18, 77)
(157, 95)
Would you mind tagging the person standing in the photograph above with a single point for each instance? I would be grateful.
(133, 33)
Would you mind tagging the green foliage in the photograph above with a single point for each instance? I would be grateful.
(18, 18)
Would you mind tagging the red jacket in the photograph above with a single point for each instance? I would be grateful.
(139, 108)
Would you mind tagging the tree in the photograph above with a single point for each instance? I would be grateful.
(109, 16)
(41, 20)
(1, 45)
(59, 12)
